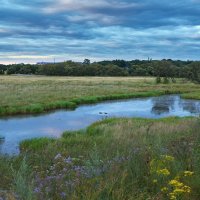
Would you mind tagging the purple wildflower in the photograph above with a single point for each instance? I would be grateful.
(36, 190)
(58, 156)
(63, 194)
(68, 160)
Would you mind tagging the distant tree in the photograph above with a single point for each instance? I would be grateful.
(52, 69)
(14, 69)
(3, 69)
(72, 68)
(165, 69)
(158, 79)
(27, 69)
(86, 62)
(194, 72)
(121, 63)
(114, 70)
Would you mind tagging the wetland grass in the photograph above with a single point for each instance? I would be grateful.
(117, 159)
(26, 95)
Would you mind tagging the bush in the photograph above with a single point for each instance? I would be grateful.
(166, 80)
(158, 79)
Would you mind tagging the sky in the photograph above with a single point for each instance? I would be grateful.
(43, 30)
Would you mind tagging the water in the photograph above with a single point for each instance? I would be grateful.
(18, 128)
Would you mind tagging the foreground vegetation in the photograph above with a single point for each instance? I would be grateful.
(36, 94)
(133, 159)
(112, 159)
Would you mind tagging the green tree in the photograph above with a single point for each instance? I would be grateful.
(86, 62)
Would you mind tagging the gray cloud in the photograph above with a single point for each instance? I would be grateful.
(76, 29)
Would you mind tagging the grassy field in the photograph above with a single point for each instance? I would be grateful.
(114, 159)
(36, 94)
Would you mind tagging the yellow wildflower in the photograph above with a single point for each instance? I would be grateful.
(188, 173)
(164, 172)
(172, 196)
(175, 183)
(179, 191)
(155, 181)
(168, 158)
(187, 189)
(164, 189)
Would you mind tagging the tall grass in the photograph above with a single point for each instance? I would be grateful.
(114, 159)
(22, 183)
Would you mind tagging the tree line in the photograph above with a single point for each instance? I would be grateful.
(167, 69)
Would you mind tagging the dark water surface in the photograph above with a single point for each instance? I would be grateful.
(18, 128)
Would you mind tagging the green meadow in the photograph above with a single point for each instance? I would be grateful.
(37, 94)
(113, 159)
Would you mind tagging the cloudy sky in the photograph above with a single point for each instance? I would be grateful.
(41, 30)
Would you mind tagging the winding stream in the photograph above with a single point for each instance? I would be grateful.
(53, 124)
